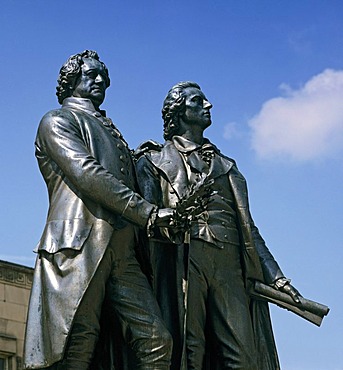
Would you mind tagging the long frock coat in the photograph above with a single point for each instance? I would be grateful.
(162, 179)
(90, 179)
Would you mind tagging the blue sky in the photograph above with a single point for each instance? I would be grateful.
(273, 71)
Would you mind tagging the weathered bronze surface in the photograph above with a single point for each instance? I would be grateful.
(202, 277)
(86, 253)
(91, 306)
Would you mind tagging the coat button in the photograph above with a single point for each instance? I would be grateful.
(132, 203)
(122, 170)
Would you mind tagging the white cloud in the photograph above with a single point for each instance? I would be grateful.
(231, 131)
(304, 124)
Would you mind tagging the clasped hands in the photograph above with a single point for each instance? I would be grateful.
(171, 219)
(165, 217)
(188, 208)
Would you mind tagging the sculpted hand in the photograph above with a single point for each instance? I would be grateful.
(165, 217)
(161, 218)
(284, 285)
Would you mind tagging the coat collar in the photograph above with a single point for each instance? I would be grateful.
(82, 104)
(169, 161)
(219, 166)
(186, 146)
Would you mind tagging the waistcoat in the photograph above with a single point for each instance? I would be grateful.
(218, 224)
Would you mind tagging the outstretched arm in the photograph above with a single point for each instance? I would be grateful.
(271, 268)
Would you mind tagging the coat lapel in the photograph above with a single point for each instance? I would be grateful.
(169, 161)
(194, 161)
(219, 166)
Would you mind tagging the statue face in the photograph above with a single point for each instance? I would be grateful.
(92, 82)
(197, 108)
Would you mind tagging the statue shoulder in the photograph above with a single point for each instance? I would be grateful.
(218, 151)
(147, 147)
(56, 119)
(229, 159)
(58, 113)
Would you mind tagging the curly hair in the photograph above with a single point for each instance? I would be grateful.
(173, 106)
(71, 71)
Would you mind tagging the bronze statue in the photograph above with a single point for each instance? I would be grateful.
(202, 284)
(87, 250)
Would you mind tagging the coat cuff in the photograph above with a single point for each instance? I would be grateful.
(138, 210)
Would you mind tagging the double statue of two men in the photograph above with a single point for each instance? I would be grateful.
(111, 216)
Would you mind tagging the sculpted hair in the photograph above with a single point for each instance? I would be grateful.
(173, 106)
(71, 71)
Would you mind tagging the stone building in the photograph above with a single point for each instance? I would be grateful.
(15, 286)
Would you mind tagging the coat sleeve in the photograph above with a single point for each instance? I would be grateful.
(251, 235)
(149, 184)
(270, 267)
(148, 181)
(60, 137)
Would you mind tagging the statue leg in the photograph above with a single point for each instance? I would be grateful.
(230, 323)
(86, 326)
(131, 299)
(196, 308)
(218, 318)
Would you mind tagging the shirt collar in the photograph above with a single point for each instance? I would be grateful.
(186, 146)
(82, 104)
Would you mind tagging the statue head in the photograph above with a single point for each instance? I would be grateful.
(185, 105)
(77, 68)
